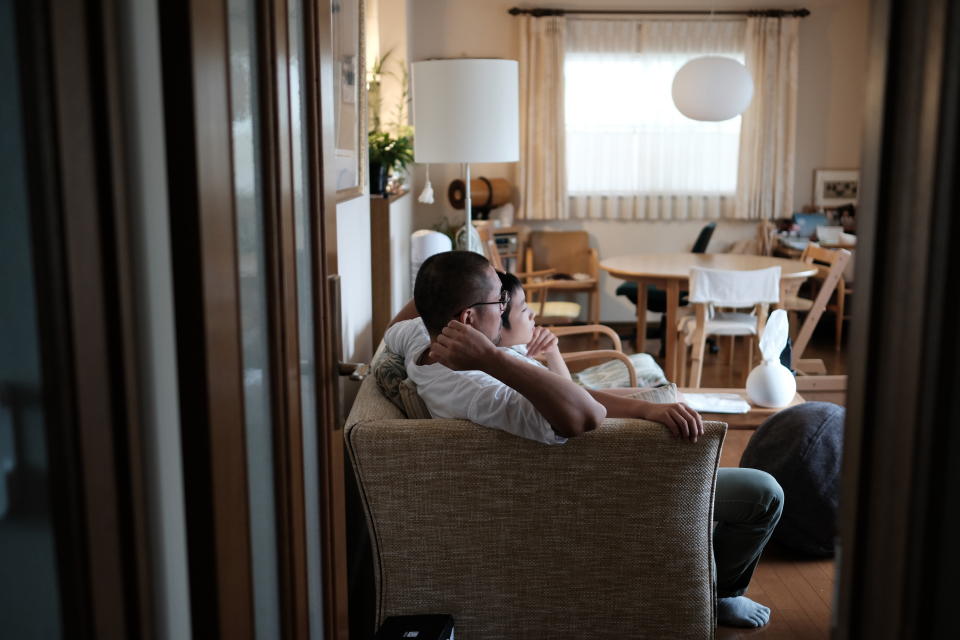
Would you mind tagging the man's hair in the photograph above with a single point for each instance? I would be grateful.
(446, 284)
(511, 284)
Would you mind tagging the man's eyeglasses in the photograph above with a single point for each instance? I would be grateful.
(503, 301)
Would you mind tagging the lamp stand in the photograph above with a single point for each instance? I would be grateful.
(468, 203)
(464, 240)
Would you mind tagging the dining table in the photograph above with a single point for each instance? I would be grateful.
(671, 272)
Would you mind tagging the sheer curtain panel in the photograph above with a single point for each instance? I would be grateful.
(630, 155)
(768, 135)
(542, 165)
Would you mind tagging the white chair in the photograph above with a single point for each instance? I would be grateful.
(714, 289)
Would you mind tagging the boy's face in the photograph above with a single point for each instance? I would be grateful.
(485, 318)
(521, 319)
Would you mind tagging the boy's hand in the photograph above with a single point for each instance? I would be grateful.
(462, 348)
(543, 341)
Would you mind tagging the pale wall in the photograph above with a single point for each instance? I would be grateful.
(356, 305)
(832, 66)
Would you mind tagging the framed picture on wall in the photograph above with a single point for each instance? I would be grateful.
(835, 187)
(349, 98)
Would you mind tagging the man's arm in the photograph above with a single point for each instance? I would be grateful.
(568, 408)
(682, 421)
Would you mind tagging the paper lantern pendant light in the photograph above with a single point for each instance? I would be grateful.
(712, 88)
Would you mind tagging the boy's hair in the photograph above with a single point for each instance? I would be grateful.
(511, 284)
(446, 284)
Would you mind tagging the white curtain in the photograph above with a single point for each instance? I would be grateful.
(542, 166)
(768, 134)
(630, 153)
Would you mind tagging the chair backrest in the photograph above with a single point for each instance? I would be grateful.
(703, 240)
(724, 288)
(816, 255)
(490, 248)
(566, 251)
(838, 260)
(516, 539)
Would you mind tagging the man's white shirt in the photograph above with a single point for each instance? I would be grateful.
(468, 395)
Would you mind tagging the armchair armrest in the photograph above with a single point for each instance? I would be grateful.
(541, 273)
(609, 354)
(592, 329)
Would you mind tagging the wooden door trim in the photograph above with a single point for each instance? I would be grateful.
(280, 239)
(75, 150)
(320, 184)
(195, 52)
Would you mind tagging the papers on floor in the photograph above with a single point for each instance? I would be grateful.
(716, 402)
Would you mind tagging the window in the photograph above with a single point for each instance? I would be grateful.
(625, 138)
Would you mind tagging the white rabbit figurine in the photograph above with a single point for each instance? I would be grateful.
(771, 384)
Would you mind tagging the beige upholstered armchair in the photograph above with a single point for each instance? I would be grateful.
(607, 536)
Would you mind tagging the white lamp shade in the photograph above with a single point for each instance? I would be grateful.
(712, 88)
(466, 110)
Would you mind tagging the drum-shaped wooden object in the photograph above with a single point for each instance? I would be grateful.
(486, 193)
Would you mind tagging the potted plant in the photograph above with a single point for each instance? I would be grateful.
(387, 154)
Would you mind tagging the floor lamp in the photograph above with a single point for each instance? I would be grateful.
(466, 111)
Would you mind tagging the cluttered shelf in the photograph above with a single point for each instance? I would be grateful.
(832, 229)
(510, 242)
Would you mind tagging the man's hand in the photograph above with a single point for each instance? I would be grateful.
(682, 421)
(462, 348)
(543, 341)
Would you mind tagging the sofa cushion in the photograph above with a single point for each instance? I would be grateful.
(613, 373)
(389, 371)
(413, 405)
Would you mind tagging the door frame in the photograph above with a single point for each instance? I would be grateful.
(70, 85)
(900, 502)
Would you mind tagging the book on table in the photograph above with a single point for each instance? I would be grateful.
(716, 402)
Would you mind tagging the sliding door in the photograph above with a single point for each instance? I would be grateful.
(243, 86)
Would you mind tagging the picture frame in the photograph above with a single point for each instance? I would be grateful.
(835, 187)
(349, 98)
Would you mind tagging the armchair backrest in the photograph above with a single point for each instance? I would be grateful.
(566, 251)
(517, 539)
(739, 289)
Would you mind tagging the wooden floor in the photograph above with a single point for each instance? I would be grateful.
(799, 591)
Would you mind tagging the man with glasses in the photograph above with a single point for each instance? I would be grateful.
(460, 372)
(451, 353)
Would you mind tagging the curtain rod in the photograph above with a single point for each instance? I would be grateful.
(765, 13)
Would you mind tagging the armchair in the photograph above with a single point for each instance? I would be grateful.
(516, 539)
(567, 252)
(638, 369)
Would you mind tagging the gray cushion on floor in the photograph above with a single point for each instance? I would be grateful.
(802, 448)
